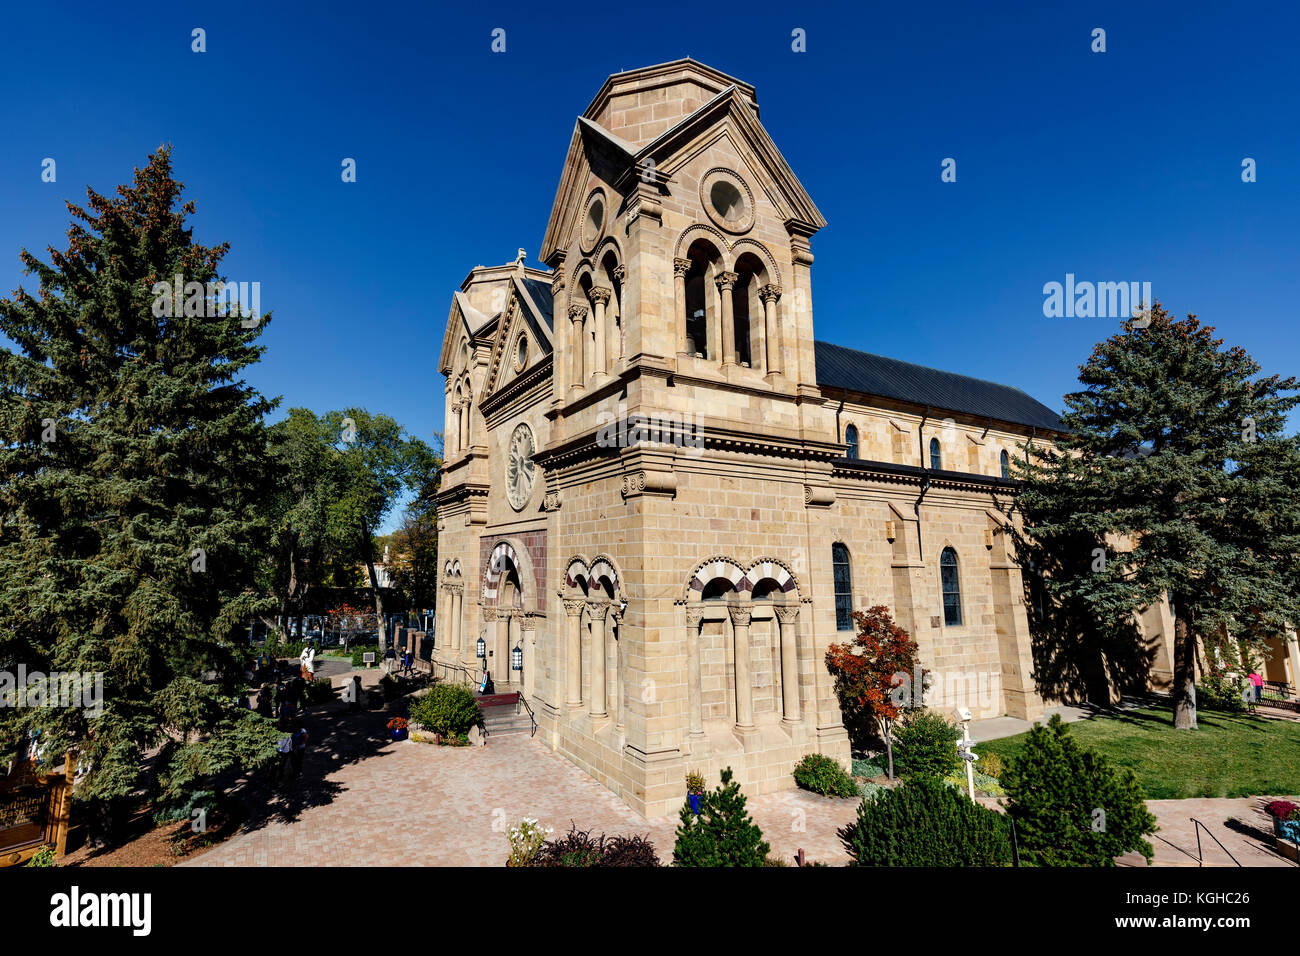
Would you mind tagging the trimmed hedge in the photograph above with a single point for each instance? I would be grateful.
(446, 709)
(924, 822)
(820, 774)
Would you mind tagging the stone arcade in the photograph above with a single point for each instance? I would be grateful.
(673, 600)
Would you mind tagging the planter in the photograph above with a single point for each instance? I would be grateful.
(1286, 834)
(398, 733)
(695, 799)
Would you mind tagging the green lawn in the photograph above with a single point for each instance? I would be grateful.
(1230, 755)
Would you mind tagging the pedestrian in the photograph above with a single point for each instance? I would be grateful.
(305, 659)
(1258, 681)
(284, 747)
(406, 663)
(298, 749)
(264, 704)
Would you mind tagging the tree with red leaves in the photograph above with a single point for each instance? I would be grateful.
(876, 675)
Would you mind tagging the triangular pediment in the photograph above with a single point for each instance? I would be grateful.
(522, 316)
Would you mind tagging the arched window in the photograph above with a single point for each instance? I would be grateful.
(843, 587)
(951, 588)
(851, 442)
(936, 459)
(1006, 464)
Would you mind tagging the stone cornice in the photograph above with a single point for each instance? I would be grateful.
(518, 386)
(888, 471)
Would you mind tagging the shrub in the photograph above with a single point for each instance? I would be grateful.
(820, 774)
(985, 785)
(723, 834)
(578, 848)
(926, 744)
(446, 709)
(1070, 806)
(320, 691)
(184, 810)
(989, 764)
(695, 783)
(925, 823)
(1283, 810)
(868, 767)
(43, 857)
(526, 841)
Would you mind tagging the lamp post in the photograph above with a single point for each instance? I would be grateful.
(480, 648)
(965, 751)
(517, 657)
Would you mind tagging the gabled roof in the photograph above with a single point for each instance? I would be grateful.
(840, 367)
(539, 293)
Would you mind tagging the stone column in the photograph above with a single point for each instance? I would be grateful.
(457, 596)
(599, 298)
(578, 314)
(787, 616)
(726, 281)
(598, 611)
(573, 652)
(1293, 655)
(464, 427)
(528, 634)
(694, 692)
(740, 614)
(620, 276)
(680, 268)
(615, 628)
(769, 294)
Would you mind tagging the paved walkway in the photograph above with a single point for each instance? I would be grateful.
(364, 800)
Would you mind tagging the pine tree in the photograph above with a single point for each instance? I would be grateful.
(1176, 478)
(723, 834)
(1070, 806)
(131, 477)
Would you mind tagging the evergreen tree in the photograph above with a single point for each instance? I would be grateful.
(131, 478)
(1176, 478)
(1070, 806)
(723, 834)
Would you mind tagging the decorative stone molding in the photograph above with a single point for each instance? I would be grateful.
(725, 281)
(573, 606)
(600, 295)
(598, 609)
(620, 273)
(694, 615)
(769, 293)
(681, 266)
(551, 501)
(636, 483)
(490, 614)
(787, 613)
(557, 283)
(818, 497)
(578, 313)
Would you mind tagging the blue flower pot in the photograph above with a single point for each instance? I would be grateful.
(695, 799)
(398, 733)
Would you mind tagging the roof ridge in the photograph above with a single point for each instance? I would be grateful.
(927, 368)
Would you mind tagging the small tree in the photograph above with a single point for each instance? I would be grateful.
(1070, 806)
(871, 673)
(925, 823)
(723, 834)
(927, 745)
(447, 709)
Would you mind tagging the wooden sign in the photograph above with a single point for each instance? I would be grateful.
(34, 810)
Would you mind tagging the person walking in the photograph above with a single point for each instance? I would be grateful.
(298, 750)
(1258, 683)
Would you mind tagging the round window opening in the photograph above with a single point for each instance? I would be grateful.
(522, 352)
(727, 201)
(595, 221)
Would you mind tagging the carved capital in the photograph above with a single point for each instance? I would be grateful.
(694, 614)
(573, 606)
(769, 293)
(489, 614)
(600, 295)
(620, 273)
(740, 612)
(557, 282)
(726, 281)
(681, 267)
(787, 613)
(551, 501)
(578, 312)
(598, 609)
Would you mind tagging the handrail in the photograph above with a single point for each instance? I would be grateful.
(532, 718)
(1200, 860)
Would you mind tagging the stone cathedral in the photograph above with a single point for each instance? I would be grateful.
(670, 591)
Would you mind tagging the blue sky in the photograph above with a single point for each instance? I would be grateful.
(1115, 166)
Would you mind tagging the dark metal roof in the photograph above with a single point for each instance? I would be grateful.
(540, 293)
(840, 367)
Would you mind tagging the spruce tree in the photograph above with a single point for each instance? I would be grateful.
(131, 481)
(1070, 806)
(723, 834)
(1176, 478)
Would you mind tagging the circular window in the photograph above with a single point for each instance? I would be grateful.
(520, 470)
(727, 200)
(521, 352)
(593, 221)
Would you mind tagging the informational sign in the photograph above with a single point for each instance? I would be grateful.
(34, 810)
(368, 657)
(24, 817)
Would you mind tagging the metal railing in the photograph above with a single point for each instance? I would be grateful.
(532, 718)
(1200, 859)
